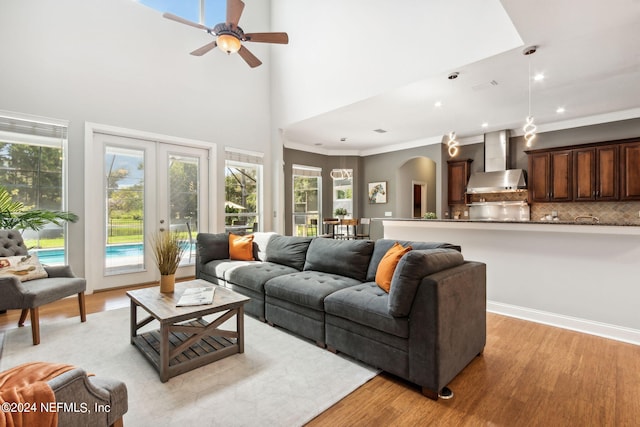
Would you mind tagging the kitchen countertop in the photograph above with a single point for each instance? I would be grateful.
(622, 229)
(560, 222)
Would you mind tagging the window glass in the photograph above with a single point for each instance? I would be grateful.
(343, 194)
(31, 170)
(306, 201)
(242, 196)
(214, 10)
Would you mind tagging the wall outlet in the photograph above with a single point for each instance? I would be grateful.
(388, 213)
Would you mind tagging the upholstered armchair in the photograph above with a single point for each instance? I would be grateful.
(61, 393)
(28, 296)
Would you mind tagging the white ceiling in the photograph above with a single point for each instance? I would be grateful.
(347, 71)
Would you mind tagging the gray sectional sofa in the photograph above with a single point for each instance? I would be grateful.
(429, 326)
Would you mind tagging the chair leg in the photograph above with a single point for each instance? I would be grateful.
(35, 325)
(23, 317)
(83, 309)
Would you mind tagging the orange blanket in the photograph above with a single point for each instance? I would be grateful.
(25, 395)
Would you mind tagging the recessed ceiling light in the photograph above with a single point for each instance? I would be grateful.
(343, 139)
(485, 124)
(560, 110)
(438, 104)
(538, 77)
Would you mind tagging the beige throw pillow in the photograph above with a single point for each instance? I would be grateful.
(22, 267)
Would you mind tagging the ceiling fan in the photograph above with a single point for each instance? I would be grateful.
(229, 36)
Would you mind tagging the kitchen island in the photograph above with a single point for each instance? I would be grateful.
(583, 277)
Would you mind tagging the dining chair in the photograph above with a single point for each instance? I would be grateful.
(363, 229)
(350, 225)
(329, 227)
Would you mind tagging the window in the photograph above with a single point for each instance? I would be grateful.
(214, 10)
(243, 191)
(343, 193)
(32, 168)
(306, 200)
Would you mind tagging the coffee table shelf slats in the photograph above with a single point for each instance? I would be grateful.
(149, 344)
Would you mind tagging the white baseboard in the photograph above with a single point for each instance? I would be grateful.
(605, 330)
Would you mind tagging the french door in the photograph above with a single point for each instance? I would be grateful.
(146, 187)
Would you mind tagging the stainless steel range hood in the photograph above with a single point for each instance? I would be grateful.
(497, 178)
(497, 181)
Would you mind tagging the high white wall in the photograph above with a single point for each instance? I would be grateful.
(118, 63)
(341, 52)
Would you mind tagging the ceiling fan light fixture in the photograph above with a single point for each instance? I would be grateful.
(228, 43)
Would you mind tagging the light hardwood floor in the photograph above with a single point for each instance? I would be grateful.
(528, 375)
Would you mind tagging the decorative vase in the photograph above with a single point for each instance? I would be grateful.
(167, 283)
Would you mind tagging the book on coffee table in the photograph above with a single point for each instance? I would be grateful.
(196, 296)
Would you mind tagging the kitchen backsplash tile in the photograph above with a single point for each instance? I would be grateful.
(607, 212)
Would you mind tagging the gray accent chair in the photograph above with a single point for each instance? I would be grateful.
(105, 399)
(29, 296)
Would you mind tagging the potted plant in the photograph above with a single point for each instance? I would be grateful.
(341, 212)
(430, 215)
(167, 250)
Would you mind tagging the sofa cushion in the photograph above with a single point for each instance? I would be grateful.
(383, 245)
(348, 258)
(411, 269)
(388, 264)
(241, 247)
(288, 250)
(212, 246)
(220, 267)
(254, 275)
(261, 241)
(367, 305)
(307, 288)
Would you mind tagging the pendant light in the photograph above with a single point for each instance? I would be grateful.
(529, 128)
(452, 144)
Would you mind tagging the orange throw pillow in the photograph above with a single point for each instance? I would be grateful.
(241, 247)
(388, 265)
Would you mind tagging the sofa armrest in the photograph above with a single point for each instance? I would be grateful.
(447, 324)
(105, 400)
(59, 271)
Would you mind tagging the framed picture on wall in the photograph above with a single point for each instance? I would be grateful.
(377, 192)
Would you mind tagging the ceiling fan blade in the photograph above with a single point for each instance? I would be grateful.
(249, 57)
(281, 38)
(234, 11)
(183, 21)
(204, 49)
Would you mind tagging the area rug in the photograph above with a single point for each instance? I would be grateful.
(280, 379)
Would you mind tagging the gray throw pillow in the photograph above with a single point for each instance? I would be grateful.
(212, 246)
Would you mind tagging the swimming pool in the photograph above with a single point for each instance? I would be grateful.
(56, 256)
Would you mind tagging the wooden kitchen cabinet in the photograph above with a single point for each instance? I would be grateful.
(596, 173)
(458, 176)
(550, 176)
(630, 170)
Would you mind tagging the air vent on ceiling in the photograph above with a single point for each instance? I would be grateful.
(487, 85)
(380, 130)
